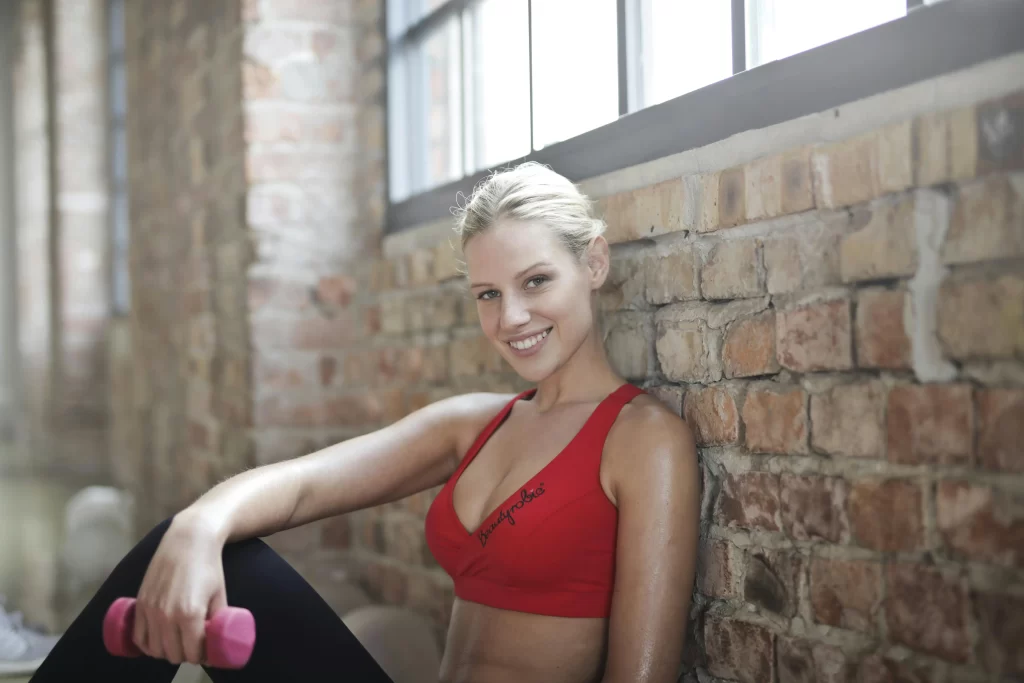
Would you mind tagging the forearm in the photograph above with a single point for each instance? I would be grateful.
(258, 502)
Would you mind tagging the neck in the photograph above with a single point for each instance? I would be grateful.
(586, 376)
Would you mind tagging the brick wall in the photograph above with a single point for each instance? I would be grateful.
(180, 363)
(840, 323)
(835, 318)
(63, 300)
(33, 228)
(79, 266)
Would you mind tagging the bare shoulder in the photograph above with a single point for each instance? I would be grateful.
(466, 415)
(648, 437)
(647, 421)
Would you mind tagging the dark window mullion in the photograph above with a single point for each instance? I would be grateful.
(623, 48)
(529, 36)
(739, 36)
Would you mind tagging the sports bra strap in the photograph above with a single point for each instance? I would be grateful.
(606, 413)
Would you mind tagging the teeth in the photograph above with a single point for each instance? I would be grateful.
(529, 342)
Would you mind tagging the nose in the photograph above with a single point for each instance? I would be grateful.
(513, 313)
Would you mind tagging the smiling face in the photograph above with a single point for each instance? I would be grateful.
(532, 294)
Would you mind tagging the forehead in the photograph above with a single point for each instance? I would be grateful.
(508, 247)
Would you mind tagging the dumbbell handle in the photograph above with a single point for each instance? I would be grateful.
(230, 634)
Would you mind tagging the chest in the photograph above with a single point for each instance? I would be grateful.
(518, 454)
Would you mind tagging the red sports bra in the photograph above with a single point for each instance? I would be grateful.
(549, 548)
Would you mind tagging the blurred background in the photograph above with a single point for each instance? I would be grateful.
(225, 240)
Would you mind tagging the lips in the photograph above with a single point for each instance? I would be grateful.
(527, 345)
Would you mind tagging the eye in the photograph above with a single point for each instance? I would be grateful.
(488, 295)
(536, 281)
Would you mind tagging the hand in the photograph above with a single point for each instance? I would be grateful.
(183, 586)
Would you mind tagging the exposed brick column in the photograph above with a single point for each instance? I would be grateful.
(314, 128)
(33, 231)
(81, 267)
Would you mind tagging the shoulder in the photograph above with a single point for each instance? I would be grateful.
(464, 416)
(648, 439)
(646, 421)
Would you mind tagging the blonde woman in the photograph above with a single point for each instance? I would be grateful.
(568, 517)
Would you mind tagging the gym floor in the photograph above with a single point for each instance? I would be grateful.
(31, 516)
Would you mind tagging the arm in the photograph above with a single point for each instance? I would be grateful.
(416, 453)
(656, 483)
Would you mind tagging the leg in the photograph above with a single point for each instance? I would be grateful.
(298, 636)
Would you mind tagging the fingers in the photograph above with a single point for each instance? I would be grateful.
(170, 634)
(147, 635)
(193, 639)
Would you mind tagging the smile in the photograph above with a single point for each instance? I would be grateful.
(530, 342)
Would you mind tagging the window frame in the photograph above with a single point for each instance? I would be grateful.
(934, 38)
(117, 129)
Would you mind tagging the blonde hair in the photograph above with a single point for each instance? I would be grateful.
(531, 192)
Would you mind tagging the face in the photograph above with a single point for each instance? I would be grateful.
(533, 295)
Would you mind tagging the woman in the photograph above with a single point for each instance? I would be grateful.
(568, 519)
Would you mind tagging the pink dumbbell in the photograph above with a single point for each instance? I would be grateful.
(230, 634)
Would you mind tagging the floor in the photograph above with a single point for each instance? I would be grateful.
(31, 520)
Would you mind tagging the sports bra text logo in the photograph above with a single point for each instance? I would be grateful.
(524, 498)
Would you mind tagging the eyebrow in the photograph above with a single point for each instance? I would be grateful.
(518, 275)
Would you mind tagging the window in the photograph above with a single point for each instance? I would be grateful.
(476, 84)
(118, 158)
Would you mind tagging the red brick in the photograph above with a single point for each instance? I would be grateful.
(966, 307)
(775, 420)
(882, 341)
(1001, 429)
(336, 533)
(323, 333)
(715, 569)
(884, 245)
(283, 372)
(336, 290)
(930, 424)
(927, 612)
(712, 415)
(739, 651)
(685, 350)
(732, 205)
(1001, 631)
(815, 337)
(732, 270)
(887, 514)
(846, 593)
(771, 580)
(981, 523)
(986, 222)
(804, 661)
(750, 501)
(266, 291)
(814, 507)
(672, 276)
(849, 420)
(749, 347)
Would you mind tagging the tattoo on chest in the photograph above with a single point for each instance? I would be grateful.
(508, 513)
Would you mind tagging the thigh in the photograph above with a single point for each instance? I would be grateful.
(298, 636)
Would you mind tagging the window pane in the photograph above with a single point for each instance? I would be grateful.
(575, 68)
(777, 29)
(439, 83)
(498, 82)
(686, 45)
(402, 14)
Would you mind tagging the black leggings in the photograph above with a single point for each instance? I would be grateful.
(298, 636)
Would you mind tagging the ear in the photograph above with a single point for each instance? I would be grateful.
(598, 261)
